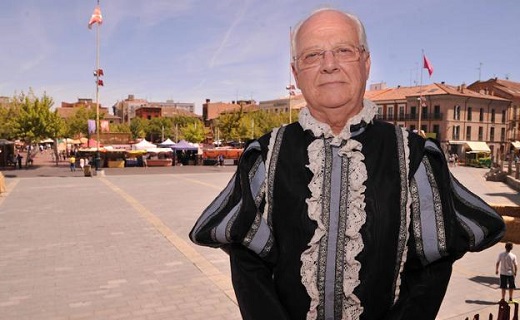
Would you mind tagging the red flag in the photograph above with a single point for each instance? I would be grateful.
(96, 17)
(427, 65)
(100, 83)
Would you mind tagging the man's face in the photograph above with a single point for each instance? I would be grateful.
(331, 83)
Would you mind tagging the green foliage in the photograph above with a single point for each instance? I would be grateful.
(77, 124)
(194, 132)
(32, 119)
(240, 126)
(138, 127)
(120, 127)
(158, 128)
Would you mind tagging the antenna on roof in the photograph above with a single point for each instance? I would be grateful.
(479, 70)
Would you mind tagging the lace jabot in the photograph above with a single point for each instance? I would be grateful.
(319, 129)
(355, 175)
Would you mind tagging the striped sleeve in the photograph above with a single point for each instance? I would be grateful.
(235, 216)
(447, 219)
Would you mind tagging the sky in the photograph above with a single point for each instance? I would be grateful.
(225, 50)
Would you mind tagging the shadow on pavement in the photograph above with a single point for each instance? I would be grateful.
(486, 281)
(482, 302)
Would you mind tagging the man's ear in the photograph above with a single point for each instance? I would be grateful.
(295, 74)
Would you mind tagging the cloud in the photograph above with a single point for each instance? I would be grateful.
(238, 19)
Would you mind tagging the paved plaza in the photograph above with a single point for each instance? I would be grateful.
(115, 246)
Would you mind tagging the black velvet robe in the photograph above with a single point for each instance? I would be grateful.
(417, 220)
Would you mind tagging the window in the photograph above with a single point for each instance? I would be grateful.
(379, 112)
(437, 112)
(413, 112)
(390, 113)
(502, 134)
(468, 133)
(455, 135)
(401, 112)
(424, 111)
(492, 134)
(480, 133)
(493, 115)
(456, 112)
(469, 114)
(481, 115)
(504, 116)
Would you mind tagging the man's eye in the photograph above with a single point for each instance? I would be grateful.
(311, 55)
(345, 51)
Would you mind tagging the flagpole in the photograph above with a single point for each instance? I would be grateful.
(98, 156)
(290, 73)
(420, 99)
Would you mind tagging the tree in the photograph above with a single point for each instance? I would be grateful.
(77, 124)
(158, 128)
(194, 132)
(138, 128)
(33, 119)
(120, 127)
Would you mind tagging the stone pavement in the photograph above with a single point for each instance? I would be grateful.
(115, 246)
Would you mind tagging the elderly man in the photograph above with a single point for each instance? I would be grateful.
(340, 216)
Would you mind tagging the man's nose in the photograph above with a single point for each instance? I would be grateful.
(329, 62)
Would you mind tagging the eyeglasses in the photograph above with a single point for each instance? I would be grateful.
(345, 53)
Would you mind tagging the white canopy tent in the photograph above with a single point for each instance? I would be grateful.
(143, 145)
(166, 143)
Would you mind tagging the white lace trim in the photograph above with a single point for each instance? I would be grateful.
(357, 175)
(270, 149)
(310, 257)
(408, 213)
(308, 122)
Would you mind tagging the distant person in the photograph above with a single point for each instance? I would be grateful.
(508, 268)
(19, 158)
(81, 163)
(221, 160)
(72, 161)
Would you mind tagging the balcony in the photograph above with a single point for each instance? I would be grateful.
(411, 117)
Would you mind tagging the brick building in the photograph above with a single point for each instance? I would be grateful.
(456, 116)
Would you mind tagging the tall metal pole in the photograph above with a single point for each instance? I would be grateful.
(290, 73)
(420, 99)
(98, 157)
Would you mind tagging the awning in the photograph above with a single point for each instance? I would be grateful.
(478, 146)
(516, 144)
(457, 142)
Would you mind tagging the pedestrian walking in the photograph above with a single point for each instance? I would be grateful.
(72, 161)
(19, 158)
(508, 267)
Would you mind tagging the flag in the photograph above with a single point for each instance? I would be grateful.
(91, 126)
(104, 126)
(100, 83)
(427, 65)
(96, 17)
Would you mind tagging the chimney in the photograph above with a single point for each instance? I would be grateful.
(462, 87)
(207, 100)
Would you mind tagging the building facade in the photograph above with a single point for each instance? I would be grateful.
(454, 115)
(508, 90)
(68, 110)
(126, 109)
(292, 102)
